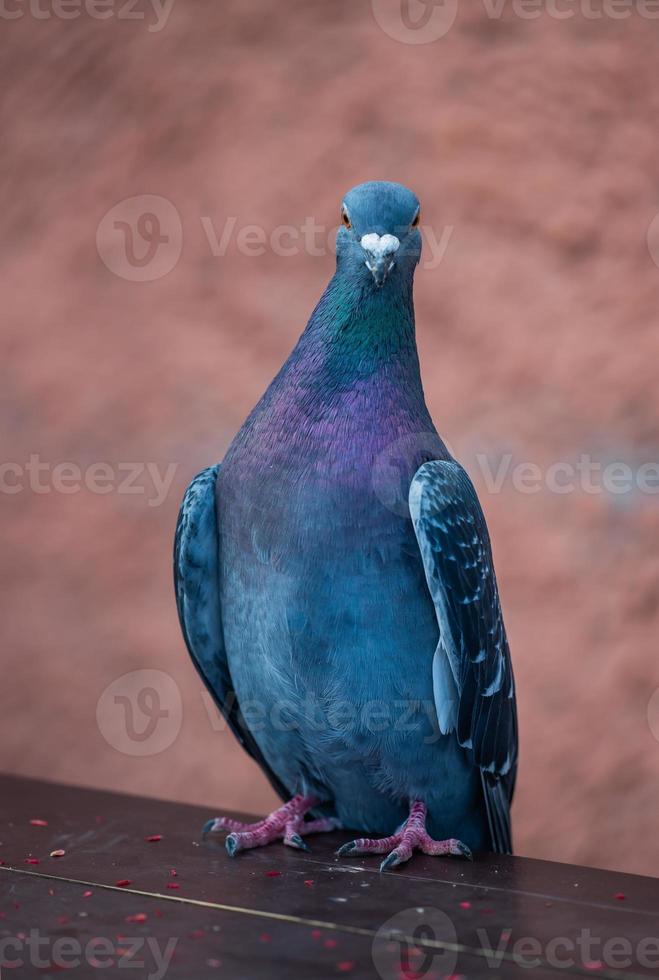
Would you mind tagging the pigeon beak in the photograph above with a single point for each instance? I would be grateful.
(380, 251)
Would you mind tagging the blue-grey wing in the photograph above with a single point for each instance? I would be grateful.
(472, 672)
(196, 581)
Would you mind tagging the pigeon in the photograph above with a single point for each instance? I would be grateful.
(335, 584)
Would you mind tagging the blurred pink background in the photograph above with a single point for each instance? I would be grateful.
(533, 147)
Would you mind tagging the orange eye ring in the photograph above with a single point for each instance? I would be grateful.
(345, 218)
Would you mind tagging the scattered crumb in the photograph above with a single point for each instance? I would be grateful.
(138, 917)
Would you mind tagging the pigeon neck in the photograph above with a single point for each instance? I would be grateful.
(356, 327)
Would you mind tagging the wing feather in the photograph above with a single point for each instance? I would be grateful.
(197, 586)
(457, 558)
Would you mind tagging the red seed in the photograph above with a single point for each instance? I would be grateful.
(62, 919)
(465, 905)
(265, 937)
(272, 874)
(35, 822)
(123, 883)
(173, 885)
(153, 838)
(329, 943)
(316, 933)
(31, 860)
(87, 894)
(174, 873)
(346, 965)
(620, 896)
(309, 882)
(138, 917)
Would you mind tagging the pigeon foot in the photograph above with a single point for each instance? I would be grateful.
(286, 824)
(411, 837)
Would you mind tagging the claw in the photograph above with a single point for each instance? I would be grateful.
(391, 861)
(410, 836)
(207, 828)
(285, 824)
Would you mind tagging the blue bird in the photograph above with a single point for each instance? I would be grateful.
(335, 585)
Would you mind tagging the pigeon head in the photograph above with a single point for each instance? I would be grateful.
(379, 239)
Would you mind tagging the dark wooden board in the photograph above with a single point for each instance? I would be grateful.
(279, 912)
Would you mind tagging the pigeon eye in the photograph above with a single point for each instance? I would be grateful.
(345, 218)
(417, 219)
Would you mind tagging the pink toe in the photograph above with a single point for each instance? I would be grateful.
(438, 848)
(284, 823)
(254, 838)
(224, 823)
(399, 855)
(367, 845)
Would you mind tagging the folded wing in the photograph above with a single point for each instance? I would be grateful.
(472, 671)
(196, 581)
